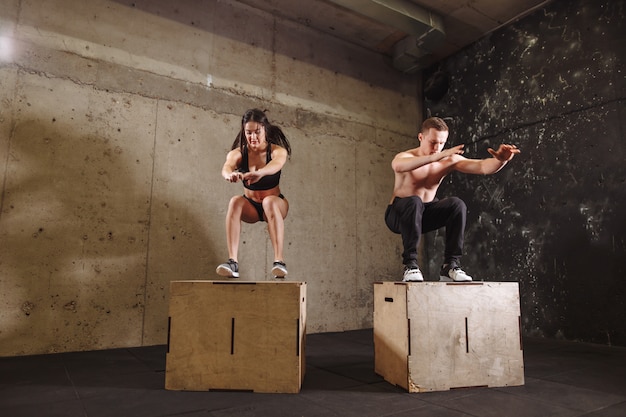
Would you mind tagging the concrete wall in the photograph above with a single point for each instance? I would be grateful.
(553, 220)
(115, 117)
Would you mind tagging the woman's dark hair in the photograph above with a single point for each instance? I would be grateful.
(273, 134)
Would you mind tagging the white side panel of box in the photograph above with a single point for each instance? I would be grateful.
(464, 335)
(460, 335)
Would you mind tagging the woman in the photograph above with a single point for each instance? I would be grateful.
(256, 158)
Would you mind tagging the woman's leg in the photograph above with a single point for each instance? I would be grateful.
(239, 209)
(276, 209)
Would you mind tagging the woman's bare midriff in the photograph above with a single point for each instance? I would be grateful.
(259, 195)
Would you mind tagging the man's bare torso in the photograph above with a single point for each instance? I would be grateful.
(424, 181)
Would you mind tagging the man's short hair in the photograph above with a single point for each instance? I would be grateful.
(436, 123)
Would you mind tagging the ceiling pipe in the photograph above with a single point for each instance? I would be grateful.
(424, 29)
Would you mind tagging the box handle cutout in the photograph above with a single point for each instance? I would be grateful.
(232, 336)
(297, 337)
(169, 329)
(466, 337)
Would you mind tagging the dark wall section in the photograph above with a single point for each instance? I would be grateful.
(555, 218)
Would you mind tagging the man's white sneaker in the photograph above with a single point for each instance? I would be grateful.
(453, 273)
(412, 274)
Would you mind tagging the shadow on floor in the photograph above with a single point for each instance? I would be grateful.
(561, 379)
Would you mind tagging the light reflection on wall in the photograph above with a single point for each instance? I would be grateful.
(6, 49)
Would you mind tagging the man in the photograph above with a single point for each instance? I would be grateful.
(415, 209)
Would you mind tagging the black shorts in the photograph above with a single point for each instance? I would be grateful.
(259, 206)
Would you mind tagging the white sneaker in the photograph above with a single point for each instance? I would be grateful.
(454, 273)
(228, 269)
(279, 269)
(412, 274)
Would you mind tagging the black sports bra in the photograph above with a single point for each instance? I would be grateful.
(265, 183)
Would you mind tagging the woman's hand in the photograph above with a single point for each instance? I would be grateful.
(233, 176)
(251, 177)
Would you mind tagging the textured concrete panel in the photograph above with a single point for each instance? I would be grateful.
(322, 236)
(114, 132)
(75, 216)
(313, 78)
(374, 187)
(189, 204)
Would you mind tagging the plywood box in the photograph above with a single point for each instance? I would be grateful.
(434, 336)
(227, 335)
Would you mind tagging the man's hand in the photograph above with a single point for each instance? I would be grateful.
(504, 153)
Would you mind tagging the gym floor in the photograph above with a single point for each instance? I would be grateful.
(561, 379)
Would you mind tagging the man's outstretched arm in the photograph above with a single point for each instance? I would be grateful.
(489, 165)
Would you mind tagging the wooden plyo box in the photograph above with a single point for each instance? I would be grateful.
(435, 336)
(236, 336)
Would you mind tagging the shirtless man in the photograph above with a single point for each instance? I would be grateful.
(415, 209)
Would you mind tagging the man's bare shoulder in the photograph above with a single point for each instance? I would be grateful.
(408, 153)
